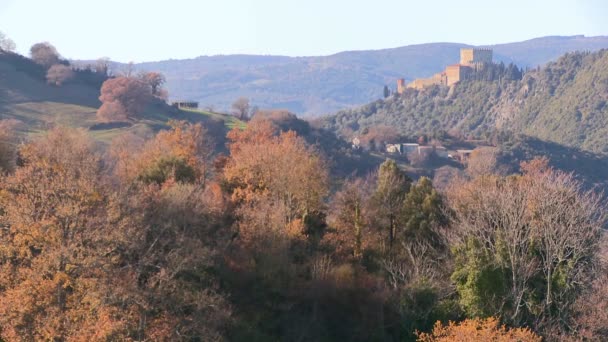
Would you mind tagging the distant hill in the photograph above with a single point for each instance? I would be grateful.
(313, 86)
(565, 102)
(560, 110)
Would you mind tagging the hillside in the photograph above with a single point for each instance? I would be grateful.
(564, 102)
(25, 96)
(313, 86)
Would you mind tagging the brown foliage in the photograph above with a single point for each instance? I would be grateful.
(181, 153)
(155, 81)
(350, 215)
(58, 74)
(123, 98)
(378, 136)
(44, 54)
(168, 236)
(53, 270)
(8, 144)
(478, 330)
(279, 173)
(81, 262)
(483, 161)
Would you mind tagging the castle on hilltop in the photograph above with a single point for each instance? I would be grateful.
(471, 60)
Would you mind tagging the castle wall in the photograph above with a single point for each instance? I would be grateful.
(421, 83)
(470, 60)
(456, 73)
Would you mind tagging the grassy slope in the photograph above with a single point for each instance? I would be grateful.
(24, 96)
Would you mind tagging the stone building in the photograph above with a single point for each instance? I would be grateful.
(472, 57)
(470, 61)
(185, 104)
(400, 86)
(457, 72)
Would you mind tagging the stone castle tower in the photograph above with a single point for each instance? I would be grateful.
(471, 61)
(400, 85)
(471, 57)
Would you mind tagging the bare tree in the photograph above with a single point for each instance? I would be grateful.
(539, 225)
(494, 211)
(567, 225)
(240, 108)
(128, 70)
(483, 161)
(102, 66)
(6, 44)
(58, 74)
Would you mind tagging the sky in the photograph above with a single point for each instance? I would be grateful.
(151, 30)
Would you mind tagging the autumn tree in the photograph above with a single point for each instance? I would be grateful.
(155, 81)
(279, 172)
(350, 214)
(8, 144)
(167, 238)
(483, 161)
(58, 74)
(44, 54)
(240, 108)
(123, 98)
(6, 44)
(172, 219)
(53, 244)
(181, 153)
(488, 329)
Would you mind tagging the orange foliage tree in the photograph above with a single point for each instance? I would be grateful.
(54, 277)
(278, 172)
(478, 330)
(123, 98)
(181, 153)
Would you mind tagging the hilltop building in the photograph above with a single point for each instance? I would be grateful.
(473, 57)
(471, 60)
(400, 85)
(185, 104)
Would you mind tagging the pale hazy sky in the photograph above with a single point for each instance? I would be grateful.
(138, 30)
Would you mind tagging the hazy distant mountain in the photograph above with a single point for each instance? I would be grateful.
(320, 85)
